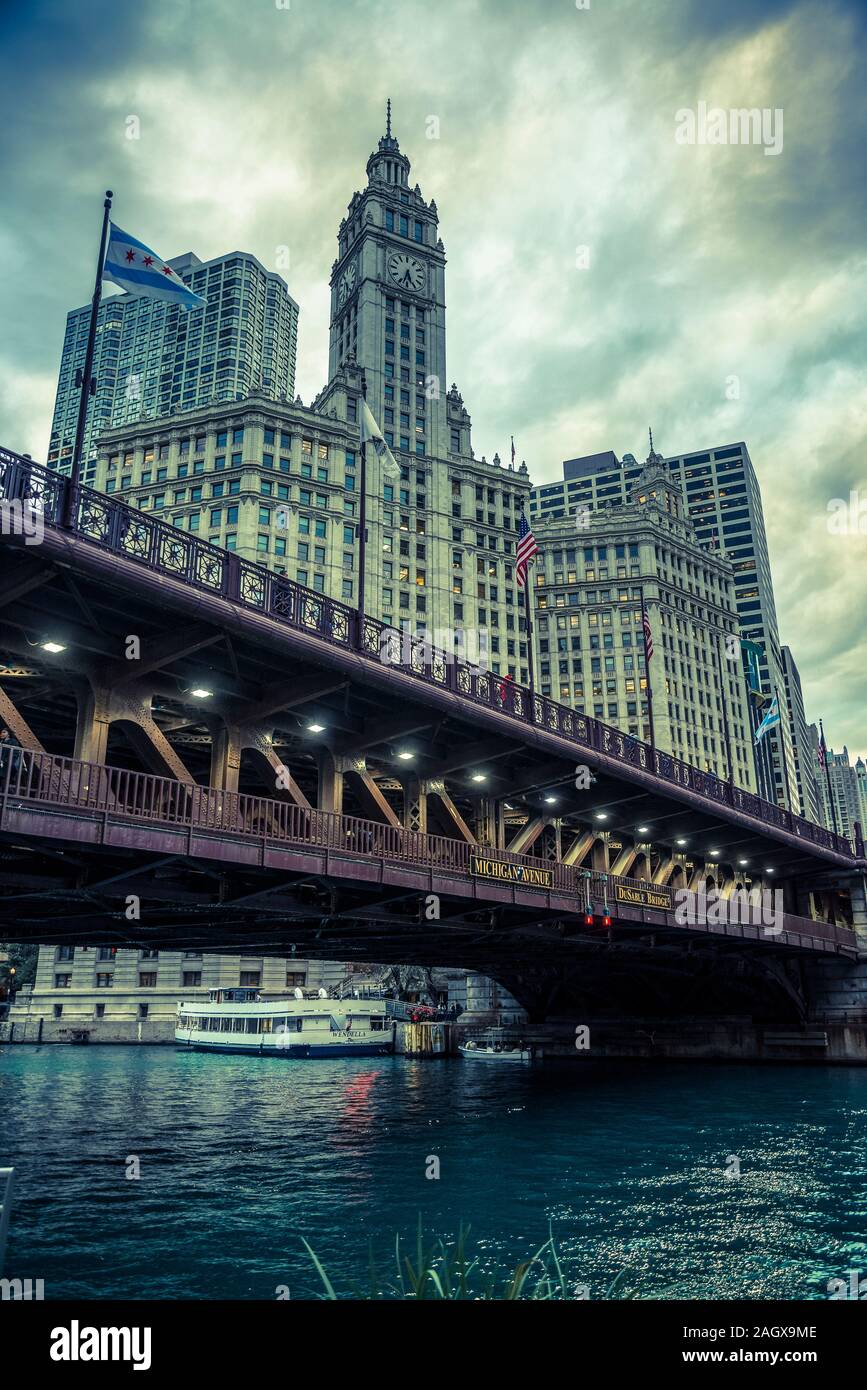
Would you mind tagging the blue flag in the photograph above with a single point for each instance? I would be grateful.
(771, 718)
(133, 266)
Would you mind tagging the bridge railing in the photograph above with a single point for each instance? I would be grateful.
(45, 777)
(114, 525)
(29, 777)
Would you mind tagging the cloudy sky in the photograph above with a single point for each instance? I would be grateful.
(601, 275)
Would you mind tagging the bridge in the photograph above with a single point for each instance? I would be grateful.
(207, 754)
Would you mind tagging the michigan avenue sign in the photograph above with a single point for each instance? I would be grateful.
(529, 876)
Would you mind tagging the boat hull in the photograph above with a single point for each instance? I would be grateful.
(298, 1051)
(516, 1057)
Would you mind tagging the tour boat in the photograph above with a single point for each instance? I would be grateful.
(496, 1045)
(303, 1025)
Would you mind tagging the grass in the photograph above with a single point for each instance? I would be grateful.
(447, 1272)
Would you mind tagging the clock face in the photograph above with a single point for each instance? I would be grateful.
(406, 271)
(347, 283)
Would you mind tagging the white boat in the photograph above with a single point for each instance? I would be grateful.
(496, 1045)
(301, 1025)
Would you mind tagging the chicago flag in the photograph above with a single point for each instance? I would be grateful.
(133, 266)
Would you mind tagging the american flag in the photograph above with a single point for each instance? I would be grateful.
(527, 548)
(648, 638)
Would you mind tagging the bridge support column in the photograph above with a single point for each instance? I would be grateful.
(375, 802)
(837, 989)
(415, 805)
(486, 819)
(225, 756)
(438, 789)
(329, 796)
(549, 844)
(625, 860)
(272, 771)
(131, 707)
(557, 845)
(700, 873)
(579, 848)
(17, 724)
(92, 723)
(527, 836)
(664, 869)
(600, 854)
(643, 867)
(858, 898)
(726, 884)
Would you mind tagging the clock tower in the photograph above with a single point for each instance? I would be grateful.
(388, 304)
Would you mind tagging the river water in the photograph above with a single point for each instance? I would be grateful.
(633, 1167)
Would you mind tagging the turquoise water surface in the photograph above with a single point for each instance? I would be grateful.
(241, 1157)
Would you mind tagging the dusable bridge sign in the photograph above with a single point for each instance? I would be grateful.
(650, 896)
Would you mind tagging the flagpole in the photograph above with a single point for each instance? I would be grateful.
(828, 779)
(529, 621)
(758, 751)
(362, 521)
(781, 741)
(75, 471)
(769, 762)
(725, 716)
(647, 670)
(523, 557)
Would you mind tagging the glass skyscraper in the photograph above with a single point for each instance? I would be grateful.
(153, 359)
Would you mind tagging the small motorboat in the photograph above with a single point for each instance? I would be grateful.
(496, 1045)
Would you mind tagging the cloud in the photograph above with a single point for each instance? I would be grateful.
(556, 132)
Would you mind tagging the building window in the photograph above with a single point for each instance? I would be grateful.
(147, 979)
(103, 980)
(192, 978)
(249, 977)
(62, 981)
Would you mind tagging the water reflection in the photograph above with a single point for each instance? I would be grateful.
(240, 1157)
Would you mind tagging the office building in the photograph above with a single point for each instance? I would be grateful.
(279, 482)
(809, 802)
(115, 994)
(843, 802)
(153, 358)
(721, 495)
(594, 577)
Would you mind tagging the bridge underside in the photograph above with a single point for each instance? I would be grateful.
(113, 667)
(287, 713)
(549, 958)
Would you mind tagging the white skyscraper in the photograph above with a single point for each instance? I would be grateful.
(279, 482)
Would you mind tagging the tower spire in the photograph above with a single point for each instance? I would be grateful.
(388, 118)
(650, 433)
